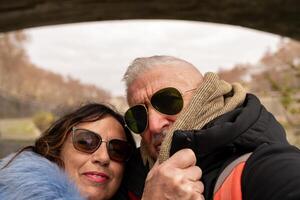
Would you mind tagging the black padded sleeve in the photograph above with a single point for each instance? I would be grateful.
(272, 173)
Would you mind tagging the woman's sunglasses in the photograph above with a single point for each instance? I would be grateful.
(167, 101)
(88, 142)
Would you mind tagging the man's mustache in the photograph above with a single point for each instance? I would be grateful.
(158, 137)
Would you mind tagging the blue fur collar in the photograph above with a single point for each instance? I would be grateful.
(31, 176)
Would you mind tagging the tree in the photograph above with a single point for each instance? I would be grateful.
(37, 89)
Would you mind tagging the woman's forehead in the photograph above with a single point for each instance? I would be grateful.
(107, 126)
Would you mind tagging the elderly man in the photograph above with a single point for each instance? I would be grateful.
(240, 147)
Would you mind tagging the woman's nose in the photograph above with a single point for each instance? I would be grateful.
(101, 155)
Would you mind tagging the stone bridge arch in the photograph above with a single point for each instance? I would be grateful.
(281, 17)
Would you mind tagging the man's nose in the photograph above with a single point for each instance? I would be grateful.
(157, 122)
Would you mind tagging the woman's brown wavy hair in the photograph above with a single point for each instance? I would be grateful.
(50, 143)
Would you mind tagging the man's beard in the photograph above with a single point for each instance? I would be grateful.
(156, 141)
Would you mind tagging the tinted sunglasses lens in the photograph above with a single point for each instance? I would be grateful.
(167, 101)
(119, 150)
(86, 141)
(136, 119)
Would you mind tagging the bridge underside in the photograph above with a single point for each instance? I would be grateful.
(276, 16)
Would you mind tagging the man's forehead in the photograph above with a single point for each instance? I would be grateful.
(141, 92)
(151, 80)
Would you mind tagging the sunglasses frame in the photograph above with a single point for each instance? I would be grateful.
(181, 95)
(145, 107)
(99, 144)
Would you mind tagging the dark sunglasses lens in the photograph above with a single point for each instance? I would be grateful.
(136, 118)
(119, 150)
(167, 101)
(86, 141)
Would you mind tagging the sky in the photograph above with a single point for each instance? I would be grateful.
(99, 52)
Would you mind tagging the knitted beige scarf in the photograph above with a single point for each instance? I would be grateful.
(211, 99)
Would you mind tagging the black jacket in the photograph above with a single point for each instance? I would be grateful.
(272, 171)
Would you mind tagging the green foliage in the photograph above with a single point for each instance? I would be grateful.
(43, 120)
(286, 100)
(18, 129)
(280, 79)
(295, 111)
(274, 85)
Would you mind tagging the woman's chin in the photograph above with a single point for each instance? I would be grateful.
(95, 193)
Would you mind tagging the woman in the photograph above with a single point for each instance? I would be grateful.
(81, 156)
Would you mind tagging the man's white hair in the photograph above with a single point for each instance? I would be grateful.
(143, 64)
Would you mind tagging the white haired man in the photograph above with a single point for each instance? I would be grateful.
(173, 107)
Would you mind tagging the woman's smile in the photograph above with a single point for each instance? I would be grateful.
(97, 177)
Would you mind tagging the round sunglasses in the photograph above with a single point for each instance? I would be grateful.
(168, 101)
(88, 142)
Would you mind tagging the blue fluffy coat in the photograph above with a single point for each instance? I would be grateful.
(31, 176)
